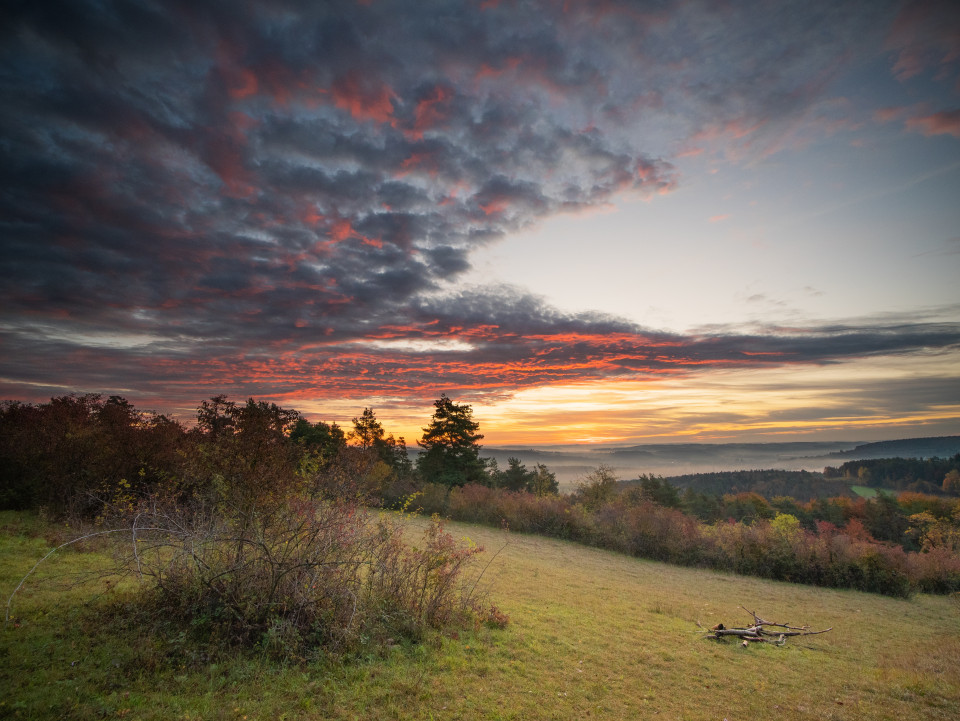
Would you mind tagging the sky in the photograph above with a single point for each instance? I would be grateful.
(605, 221)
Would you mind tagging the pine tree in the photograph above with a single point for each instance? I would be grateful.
(451, 452)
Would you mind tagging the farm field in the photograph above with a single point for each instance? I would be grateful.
(593, 634)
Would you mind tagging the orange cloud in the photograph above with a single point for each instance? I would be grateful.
(365, 98)
(311, 215)
(430, 111)
(497, 205)
(420, 160)
(341, 230)
(242, 83)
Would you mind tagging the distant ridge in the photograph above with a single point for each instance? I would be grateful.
(940, 446)
(794, 447)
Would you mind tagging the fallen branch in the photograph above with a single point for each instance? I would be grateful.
(758, 633)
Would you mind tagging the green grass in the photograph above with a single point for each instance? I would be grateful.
(593, 634)
(864, 491)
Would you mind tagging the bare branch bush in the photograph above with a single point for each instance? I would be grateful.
(298, 574)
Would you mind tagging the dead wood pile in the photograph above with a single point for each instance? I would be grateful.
(761, 631)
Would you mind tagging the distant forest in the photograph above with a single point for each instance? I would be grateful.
(925, 475)
(768, 483)
(918, 475)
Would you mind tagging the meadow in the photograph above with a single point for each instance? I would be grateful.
(592, 634)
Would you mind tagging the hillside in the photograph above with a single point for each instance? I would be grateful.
(593, 634)
(802, 485)
(940, 447)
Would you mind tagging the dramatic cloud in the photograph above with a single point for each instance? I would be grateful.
(215, 168)
(274, 198)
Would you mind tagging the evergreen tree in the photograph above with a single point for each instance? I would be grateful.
(367, 430)
(516, 477)
(451, 452)
(368, 434)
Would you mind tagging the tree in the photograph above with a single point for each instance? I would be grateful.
(217, 416)
(884, 518)
(656, 489)
(265, 421)
(400, 459)
(244, 455)
(597, 487)
(544, 481)
(951, 482)
(515, 478)
(367, 430)
(368, 434)
(323, 440)
(451, 452)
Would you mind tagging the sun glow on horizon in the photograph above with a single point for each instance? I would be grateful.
(815, 402)
(825, 402)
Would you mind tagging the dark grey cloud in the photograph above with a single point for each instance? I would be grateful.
(156, 157)
(269, 197)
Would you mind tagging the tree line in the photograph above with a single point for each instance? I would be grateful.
(758, 537)
(766, 482)
(895, 519)
(926, 475)
(70, 455)
(90, 457)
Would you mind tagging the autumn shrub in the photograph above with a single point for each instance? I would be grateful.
(881, 569)
(549, 515)
(935, 570)
(399, 490)
(408, 588)
(432, 498)
(475, 504)
(652, 531)
(779, 548)
(298, 575)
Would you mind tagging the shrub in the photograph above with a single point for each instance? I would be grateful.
(780, 549)
(433, 498)
(936, 570)
(298, 575)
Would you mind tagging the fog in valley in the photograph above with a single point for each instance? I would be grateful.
(572, 462)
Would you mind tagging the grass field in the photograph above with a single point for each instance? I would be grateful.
(592, 635)
(864, 491)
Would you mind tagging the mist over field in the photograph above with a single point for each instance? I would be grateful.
(571, 462)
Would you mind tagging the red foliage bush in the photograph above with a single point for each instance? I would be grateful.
(829, 556)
